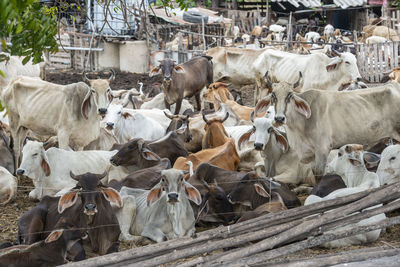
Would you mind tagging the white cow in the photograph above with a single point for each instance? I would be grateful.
(162, 213)
(312, 37)
(376, 40)
(278, 31)
(70, 112)
(280, 161)
(158, 102)
(8, 186)
(350, 165)
(319, 71)
(317, 121)
(389, 166)
(127, 125)
(329, 32)
(14, 68)
(50, 170)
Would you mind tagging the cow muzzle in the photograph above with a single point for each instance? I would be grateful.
(20, 171)
(102, 111)
(114, 161)
(110, 125)
(90, 209)
(280, 119)
(173, 198)
(258, 146)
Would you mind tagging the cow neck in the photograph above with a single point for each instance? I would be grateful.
(177, 213)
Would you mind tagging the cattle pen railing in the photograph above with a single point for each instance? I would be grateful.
(375, 60)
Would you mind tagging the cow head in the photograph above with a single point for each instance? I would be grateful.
(252, 190)
(281, 97)
(168, 69)
(219, 89)
(133, 153)
(180, 124)
(215, 132)
(345, 67)
(263, 129)
(115, 114)
(34, 161)
(175, 187)
(90, 190)
(389, 166)
(346, 158)
(215, 206)
(100, 89)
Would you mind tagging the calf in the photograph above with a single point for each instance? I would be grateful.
(127, 125)
(164, 212)
(328, 184)
(215, 132)
(389, 167)
(8, 186)
(49, 252)
(184, 80)
(252, 191)
(49, 170)
(84, 206)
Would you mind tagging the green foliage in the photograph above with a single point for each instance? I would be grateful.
(31, 27)
(396, 3)
(182, 4)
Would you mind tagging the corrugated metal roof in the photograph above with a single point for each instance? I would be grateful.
(317, 3)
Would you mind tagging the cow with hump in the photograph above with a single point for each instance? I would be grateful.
(184, 80)
(162, 213)
(70, 112)
(86, 206)
(317, 121)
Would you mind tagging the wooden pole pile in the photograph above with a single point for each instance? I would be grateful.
(271, 236)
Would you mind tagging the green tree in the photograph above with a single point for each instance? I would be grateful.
(31, 28)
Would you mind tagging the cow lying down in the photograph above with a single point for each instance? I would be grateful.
(159, 214)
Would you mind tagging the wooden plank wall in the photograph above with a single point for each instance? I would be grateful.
(374, 60)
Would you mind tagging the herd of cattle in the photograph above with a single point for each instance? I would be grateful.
(117, 165)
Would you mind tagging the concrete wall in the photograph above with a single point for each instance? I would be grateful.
(130, 56)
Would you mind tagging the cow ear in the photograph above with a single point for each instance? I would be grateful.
(154, 195)
(263, 105)
(126, 115)
(180, 130)
(86, 105)
(154, 72)
(149, 155)
(54, 235)
(261, 191)
(245, 138)
(45, 166)
(281, 140)
(192, 193)
(301, 106)
(179, 69)
(371, 160)
(333, 64)
(67, 200)
(203, 210)
(112, 196)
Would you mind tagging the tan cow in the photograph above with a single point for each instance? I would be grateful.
(317, 121)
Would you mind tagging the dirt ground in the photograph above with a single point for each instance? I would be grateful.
(10, 213)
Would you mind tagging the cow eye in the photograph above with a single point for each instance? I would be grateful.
(392, 158)
(163, 179)
(348, 63)
(270, 129)
(119, 113)
(254, 128)
(34, 155)
(93, 91)
(339, 154)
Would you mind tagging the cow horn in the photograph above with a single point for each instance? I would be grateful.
(112, 75)
(140, 144)
(86, 79)
(169, 116)
(252, 116)
(269, 83)
(296, 84)
(101, 176)
(73, 176)
(226, 117)
(204, 118)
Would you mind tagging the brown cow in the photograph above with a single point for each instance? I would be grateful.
(87, 205)
(49, 252)
(224, 156)
(222, 94)
(215, 132)
(180, 124)
(184, 80)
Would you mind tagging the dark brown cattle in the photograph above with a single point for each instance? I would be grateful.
(253, 191)
(381, 145)
(85, 206)
(49, 252)
(184, 80)
(328, 184)
(215, 132)
(154, 90)
(143, 179)
(179, 124)
(134, 155)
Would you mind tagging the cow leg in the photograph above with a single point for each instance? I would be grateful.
(178, 105)
(19, 136)
(198, 102)
(63, 139)
(319, 164)
(167, 105)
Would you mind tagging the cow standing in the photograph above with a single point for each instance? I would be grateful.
(184, 80)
